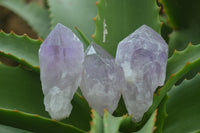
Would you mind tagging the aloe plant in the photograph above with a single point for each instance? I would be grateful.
(175, 105)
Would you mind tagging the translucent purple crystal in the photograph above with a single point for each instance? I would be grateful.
(143, 57)
(61, 56)
(102, 80)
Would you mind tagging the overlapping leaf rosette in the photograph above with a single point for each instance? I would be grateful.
(138, 69)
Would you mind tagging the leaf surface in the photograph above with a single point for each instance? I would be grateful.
(184, 17)
(8, 129)
(117, 19)
(74, 13)
(21, 49)
(36, 16)
(183, 107)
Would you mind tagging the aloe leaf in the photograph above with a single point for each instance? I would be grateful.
(185, 26)
(36, 16)
(83, 38)
(117, 19)
(197, 131)
(166, 28)
(34, 123)
(179, 39)
(96, 123)
(149, 127)
(183, 107)
(8, 129)
(21, 90)
(21, 49)
(73, 13)
(111, 124)
(161, 116)
(180, 58)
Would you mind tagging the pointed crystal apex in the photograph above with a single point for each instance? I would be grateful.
(143, 57)
(60, 56)
(96, 49)
(91, 50)
(102, 80)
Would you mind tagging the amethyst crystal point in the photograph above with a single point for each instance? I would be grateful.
(102, 80)
(61, 56)
(143, 57)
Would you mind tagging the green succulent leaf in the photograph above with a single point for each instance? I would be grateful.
(197, 131)
(21, 91)
(183, 107)
(180, 58)
(111, 124)
(34, 123)
(166, 28)
(149, 127)
(74, 13)
(21, 49)
(184, 22)
(83, 38)
(179, 39)
(117, 19)
(161, 116)
(36, 16)
(8, 129)
(96, 123)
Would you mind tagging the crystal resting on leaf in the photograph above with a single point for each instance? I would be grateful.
(60, 56)
(143, 57)
(102, 80)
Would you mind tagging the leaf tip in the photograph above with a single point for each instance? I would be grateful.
(172, 75)
(25, 34)
(53, 120)
(189, 44)
(17, 111)
(82, 97)
(36, 115)
(94, 19)
(40, 39)
(159, 89)
(187, 63)
(12, 32)
(37, 67)
(76, 28)
(153, 129)
(156, 113)
(92, 113)
(91, 123)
